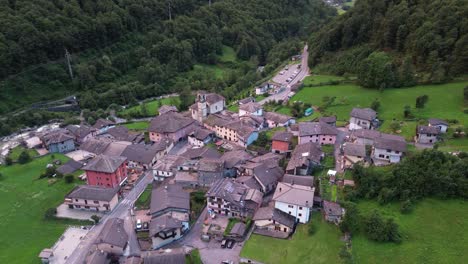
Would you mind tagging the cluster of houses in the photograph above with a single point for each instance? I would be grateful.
(275, 189)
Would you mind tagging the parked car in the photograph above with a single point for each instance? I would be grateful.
(230, 243)
(227, 262)
(138, 224)
(145, 225)
(281, 72)
(223, 243)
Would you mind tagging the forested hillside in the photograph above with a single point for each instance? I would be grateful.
(132, 49)
(385, 42)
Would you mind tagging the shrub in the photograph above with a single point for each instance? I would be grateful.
(406, 207)
(375, 105)
(69, 178)
(8, 161)
(395, 126)
(312, 229)
(50, 213)
(24, 157)
(95, 218)
(375, 228)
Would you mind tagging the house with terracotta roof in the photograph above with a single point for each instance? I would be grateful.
(295, 200)
(206, 104)
(170, 125)
(318, 132)
(106, 171)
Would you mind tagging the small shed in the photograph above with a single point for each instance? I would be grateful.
(45, 255)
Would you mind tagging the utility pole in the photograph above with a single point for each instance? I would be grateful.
(69, 59)
(170, 15)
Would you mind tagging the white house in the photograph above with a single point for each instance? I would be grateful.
(166, 167)
(441, 124)
(200, 137)
(362, 118)
(388, 150)
(251, 108)
(295, 200)
(427, 134)
(93, 198)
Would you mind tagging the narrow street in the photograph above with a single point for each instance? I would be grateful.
(122, 210)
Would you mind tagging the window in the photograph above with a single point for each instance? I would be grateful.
(290, 206)
(96, 202)
(397, 152)
(86, 207)
(388, 150)
(300, 215)
(381, 156)
(76, 200)
(77, 206)
(300, 207)
(289, 212)
(330, 139)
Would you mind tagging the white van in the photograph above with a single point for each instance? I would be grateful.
(138, 224)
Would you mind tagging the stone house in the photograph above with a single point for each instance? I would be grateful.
(427, 134)
(317, 132)
(93, 198)
(363, 118)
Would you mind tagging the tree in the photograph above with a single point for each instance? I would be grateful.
(8, 161)
(465, 93)
(375, 105)
(186, 98)
(1, 176)
(377, 71)
(395, 126)
(69, 178)
(407, 111)
(421, 101)
(24, 157)
(95, 218)
(50, 213)
(351, 219)
(144, 109)
(374, 227)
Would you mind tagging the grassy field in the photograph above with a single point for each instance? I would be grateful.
(229, 55)
(317, 79)
(435, 232)
(152, 106)
(15, 152)
(137, 126)
(143, 202)
(25, 198)
(321, 247)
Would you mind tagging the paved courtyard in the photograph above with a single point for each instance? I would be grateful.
(66, 244)
(64, 212)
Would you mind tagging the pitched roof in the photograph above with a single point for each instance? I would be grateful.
(103, 163)
(116, 148)
(212, 98)
(235, 157)
(70, 167)
(373, 134)
(327, 119)
(113, 233)
(81, 131)
(250, 107)
(57, 137)
(282, 136)
(169, 122)
(435, 122)
(100, 123)
(271, 213)
(294, 194)
(169, 162)
(166, 109)
(249, 182)
(163, 223)
(303, 153)
(300, 180)
(145, 153)
(201, 133)
(246, 100)
(316, 128)
(95, 193)
(428, 130)
(364, 113)
(234, 192)
(203, 152)
(96, 145)
(277, 117)
(332, 208)
(354, 149)
(384, 143)
(238, 229)
(169, 196)
(211, 165)
(168, 256)
(266, 175)
(98, 257)
(217, 120)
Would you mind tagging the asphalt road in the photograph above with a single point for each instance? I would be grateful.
(282, 78)
(122, 211)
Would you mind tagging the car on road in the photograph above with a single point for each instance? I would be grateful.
(286, 68)
(299, 66)
(227, 262)
(230, 243)
(223, 243)
(289, 79)
(281, 72)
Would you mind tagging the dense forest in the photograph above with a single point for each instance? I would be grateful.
(127, 50)
(393, 43)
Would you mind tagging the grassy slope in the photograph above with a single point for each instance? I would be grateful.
(228, 56)
(322, 247)
(137, 126)
(15, 152)
(435, 232)
(24, 232)
(143, 202)
(152, 106)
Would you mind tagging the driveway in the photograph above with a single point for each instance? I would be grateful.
(64, 212)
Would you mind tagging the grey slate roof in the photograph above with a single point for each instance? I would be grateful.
(94, 193)
(294, 194)
(282, 136)
(163, 223)
(428, 130)
(246, 100)
(435, 122)
(266, 175)
(235, 157)
(354, 149)
(57, 137)
(70, 167)
(250, 107)
(331, 208)
(300, 180)
(169, 162)
(203, 152)
(271, 213)
(145, 153)
(81, 131)
(234, 192)
(201, 133)
(116, 148)
(277, 117)
(396, 145)
(211, 165)
(113, 233)
(373, 134)
(166, 109)
(327, 119)
(316, 128)
(238, 229)
(169, 196)
(364, 113)
(169, 123)
(96, 145)
(303, 153)
(103, 163)
(98, 257)
(249, 182)
(174, 256)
